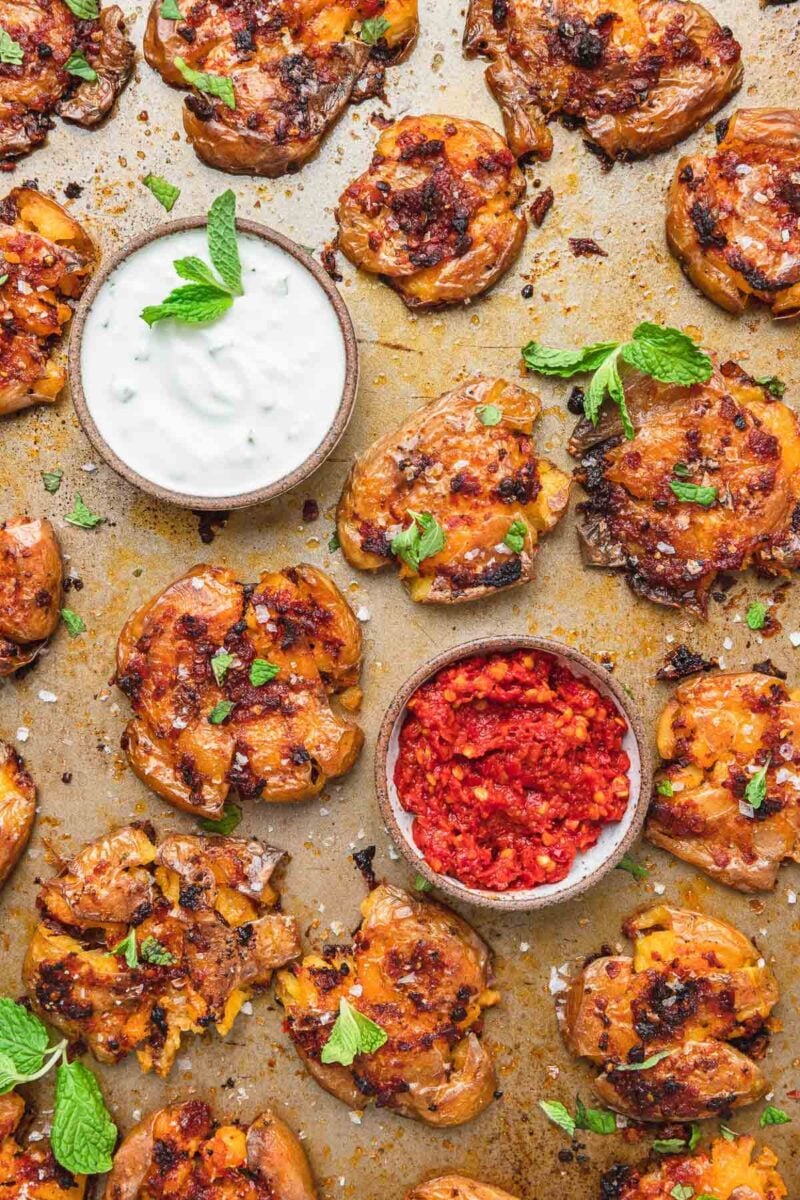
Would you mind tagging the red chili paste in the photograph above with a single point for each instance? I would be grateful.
(511, 766)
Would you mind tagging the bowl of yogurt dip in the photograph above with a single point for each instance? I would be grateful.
(228, 412)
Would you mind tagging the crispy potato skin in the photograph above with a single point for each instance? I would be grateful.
(17, 809)
(732, 436)
(456, 1187)
(295, 65)
(31, 589)
(282, 740)
(27, 1166)
(47, 258)
(209, 1160)
(712, 735)
(41, 85)
(732, 216)
(475, 479)
(638, 76)
(207, 901)
(425, 977)
(434, 213)
(692, 986)
(734, 1170)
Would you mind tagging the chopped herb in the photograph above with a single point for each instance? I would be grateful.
(231, 817)
(169, 11)
(74, 623)
(84, 10)
(213, 85)
(52, 480)
(756, 791)
(775, 386)
(515, 537)
(555, 1111)
(220, 663)
(596, 1120)
(82, 516)
(730, 1135)
(692, 493)
(682, 1191)
(77, 65)
(165, 192)
(127, 947)
(681, 471)
(756, 615)
(421, 884)
(642, 1066)
(626, 863)
(10, 52)
(423, 538)
(153, 952)
(694, 1136)
(773, 1116)
(489, 414)
(333, 542)
(664, 787)
(220, 712)
(352, 1034)
(262, 671)
(669, 1145)
(3, 279)
(373, 29)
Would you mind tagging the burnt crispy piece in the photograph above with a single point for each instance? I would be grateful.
(637, 77)
(46, 259)
(183, 1150)
(728, 1170)
(27, 1165)
(201, 911)
(476, 479)
(30, 590)
(696, 988)
(423, 975)
(277, 741)
(49, 34)
(294, 68)
(713, 736)
(456, 1187)
(729, 435)
(17, 809)
(434, 213)
(733, 217)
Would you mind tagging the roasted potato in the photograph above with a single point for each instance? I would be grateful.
(17, 809)
(294, 66)
(28, 1169)
(727, 1171)
(196, 916)
(637, 77)
(46, 259)
(728, 435)
(31, 590)
(423, 975)
(713, 736)
(732, 216)
(433, 215)
(218, 1162)
(456, 1187)
(663, 1022)
(476, 478)
(278, 740)
(40, 85)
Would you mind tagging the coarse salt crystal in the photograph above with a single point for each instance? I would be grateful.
(747, 810)
(665, 548)
(659, 888)
(728, 644)
(760, 197)
(785, 235)
(794, 638)
(524, 947)
(791, 897)
(355, 1116)
(363, 613)
(356, 989)
(556, 983)
(47, 697)
(247, 1009)
(394, 855)
(197, 584)
(23, 733)
(89, 467)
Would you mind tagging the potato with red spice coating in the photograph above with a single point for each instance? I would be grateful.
(31, 590)
(666, 1023)
(728, 1170)
(638, 77)
(28, 1167)
(456, 1187)
(17, 809)
(733, 217)
(434, 213)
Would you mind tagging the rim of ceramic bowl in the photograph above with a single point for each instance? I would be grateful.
(240, 499)
(618, 837)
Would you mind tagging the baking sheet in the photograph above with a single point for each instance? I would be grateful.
(405, 360)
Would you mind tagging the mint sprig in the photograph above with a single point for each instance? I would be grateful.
(423, 538)
(166, 193)
(352, 1034)
(218, 86)
(661, 352)
(10, 51)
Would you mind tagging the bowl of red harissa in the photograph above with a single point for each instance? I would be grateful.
(512, 772)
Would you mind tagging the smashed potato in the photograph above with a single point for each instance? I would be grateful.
(637, 77)
(733, 217)
(422, 974)
(31, 590)
(675, 1026)
(433, 215)
(182, 1150)
(477, 478)
(727, 1171)
(204, 724)
(17, 809)
(456, 1187)
(715, 734)
(28, 1168)
(142, 941)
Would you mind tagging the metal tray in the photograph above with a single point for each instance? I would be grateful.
(406, 359)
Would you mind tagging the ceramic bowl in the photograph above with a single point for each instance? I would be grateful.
(589, 867)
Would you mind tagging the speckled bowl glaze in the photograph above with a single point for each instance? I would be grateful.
(589, 867)
(242, 499)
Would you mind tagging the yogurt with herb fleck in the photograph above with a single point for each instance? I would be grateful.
(220, 408)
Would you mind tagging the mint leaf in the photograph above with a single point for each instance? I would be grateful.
(262, 672)
(52, 480)
(669, 1145)
(423, 538)
(373, 29)
(664, 788)
(772, 384)
(153, 952)
(169, 11)
(596, 1120)
(165, 192)
(82, 516)
(352, 1034)
(193, 304)
(694, 1137)
(231, 817)
(682, 1191)
(83, 1134)
(489, 414)
(565, 363)
(23, 1037)
(756, 791)
(773, 1116)
(730, 1135)
(692, 493)
(84, 10)
(667, 355)
(642, 1066)
(127, 947)
(606, 379)
(10, 51)
(515, 537)
(421, 884)
(220, 664)
(76, 64)
(222, 244)
(333, 542)
(555, 1111)
(626, 863)
(220, 712)
(213, 85)
(74, 623)
(195, 270)
(756, 615)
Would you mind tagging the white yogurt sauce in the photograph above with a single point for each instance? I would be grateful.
(222, 408)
